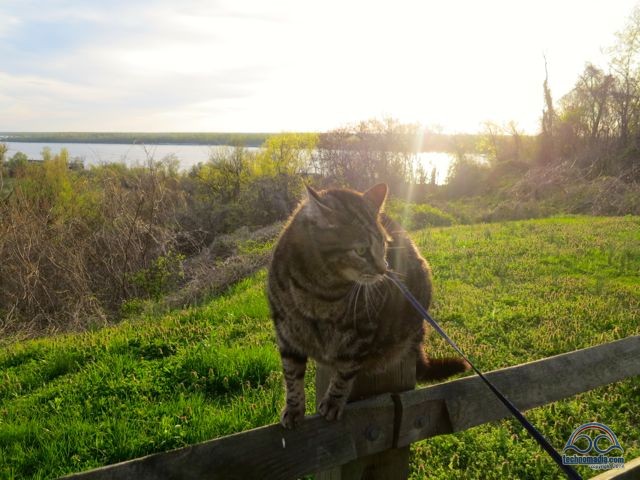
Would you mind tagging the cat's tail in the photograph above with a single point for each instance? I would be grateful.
(430, 369)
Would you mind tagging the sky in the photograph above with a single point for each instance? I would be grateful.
(270, 66)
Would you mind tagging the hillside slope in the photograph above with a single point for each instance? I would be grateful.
(508, 293)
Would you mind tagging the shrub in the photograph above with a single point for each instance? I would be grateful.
(77, 245)
(467, 177)
(69, 242)
(164, 274)
(413, 216)
(17, 164)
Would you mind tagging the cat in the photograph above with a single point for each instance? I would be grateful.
(331, 301)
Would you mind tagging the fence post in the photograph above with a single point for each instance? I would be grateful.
(391, 464)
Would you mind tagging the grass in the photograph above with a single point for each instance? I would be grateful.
(519, 291)
(507, 293)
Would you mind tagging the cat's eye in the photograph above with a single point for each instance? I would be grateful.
(360, 251)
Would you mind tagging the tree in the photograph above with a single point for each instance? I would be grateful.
(488, 142)
(546, 152)
(17, 163)
(587, 107)
(368, 152)
(548, 113)
(500, 144)
(466, 177)
(226, 172)
(280, 165)
(286, 154)
(434, 176)
(46, 153)
(3, 151)
(516, 137)
(625, 65)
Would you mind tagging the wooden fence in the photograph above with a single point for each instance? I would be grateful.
(377, 431)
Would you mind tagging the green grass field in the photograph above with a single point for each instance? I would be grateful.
(507, 293)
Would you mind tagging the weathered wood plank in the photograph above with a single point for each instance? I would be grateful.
(317, 445)
(631, 471)
(388, 465)
(469, 402)
(268, 452)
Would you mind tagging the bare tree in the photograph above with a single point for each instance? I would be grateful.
(624, 65)
(587, 106)
(547, 144)
(369, 152)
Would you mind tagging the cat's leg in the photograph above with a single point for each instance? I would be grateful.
(335, 398)
(354, 347)
(294, 367)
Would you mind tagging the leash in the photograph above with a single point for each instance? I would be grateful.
(533, 431)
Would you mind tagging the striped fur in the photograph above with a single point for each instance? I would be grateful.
(330, 300)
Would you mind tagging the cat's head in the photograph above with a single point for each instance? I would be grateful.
(347, 233)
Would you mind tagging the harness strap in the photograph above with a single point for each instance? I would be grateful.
(533, 431)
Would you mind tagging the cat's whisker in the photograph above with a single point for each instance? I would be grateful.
(355, 306)
(374, 294)
(387, 283)
(349, 300)
(378, 289)
(398, 274)
(389, 280)
(366, 302)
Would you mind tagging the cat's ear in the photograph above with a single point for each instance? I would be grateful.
(376, 195)
(317, 211)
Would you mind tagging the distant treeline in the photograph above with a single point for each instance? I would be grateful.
(146, 138)
(430, 141)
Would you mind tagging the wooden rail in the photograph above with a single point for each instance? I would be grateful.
(631, 471)
(384, 422)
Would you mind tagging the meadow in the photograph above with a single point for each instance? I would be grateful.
(507, 292)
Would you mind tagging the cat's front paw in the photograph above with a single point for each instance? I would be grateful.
(291, 416)
(331, 408)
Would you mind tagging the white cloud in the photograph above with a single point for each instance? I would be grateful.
(8, 24)
(250, 65)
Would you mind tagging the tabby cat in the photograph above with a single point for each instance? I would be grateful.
(330, 299)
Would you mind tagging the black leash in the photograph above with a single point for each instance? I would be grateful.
(533, 431)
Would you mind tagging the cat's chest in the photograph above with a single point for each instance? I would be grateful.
(327, 329)
(312, 306)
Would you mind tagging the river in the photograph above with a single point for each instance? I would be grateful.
(187, 155)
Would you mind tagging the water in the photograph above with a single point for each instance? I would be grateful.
(188, 155)
(99, 153)
(441, 161)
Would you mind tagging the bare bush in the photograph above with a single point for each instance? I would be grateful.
(67, 249)
(226, 261)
